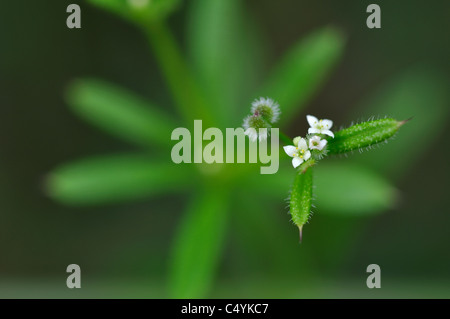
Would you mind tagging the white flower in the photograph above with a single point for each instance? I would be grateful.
(267, 108)
(319, 127)
(300, 153)
(317, 143)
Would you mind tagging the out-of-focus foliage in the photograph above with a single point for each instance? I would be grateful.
(226, 53)
(225, 50)
(120, 112)
(115, 178)
(419, 94)
(140, 11)
(304, 69)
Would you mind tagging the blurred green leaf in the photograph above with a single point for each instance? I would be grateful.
(304, 70)
(262, 228)
(226, 54)
(149, 14)
(101, 180)
(350, 189)
(140, 11)
(420, 93)
(198, 244)
(340, 188)
(189, 97)
(119, 112)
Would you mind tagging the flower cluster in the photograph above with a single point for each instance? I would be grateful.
(265, 112)
(313, 145)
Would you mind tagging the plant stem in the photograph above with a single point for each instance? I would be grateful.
(187, 95)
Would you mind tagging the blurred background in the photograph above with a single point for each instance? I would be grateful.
(124, 247)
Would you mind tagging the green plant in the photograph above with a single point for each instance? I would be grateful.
(224, 71)
(321, 142)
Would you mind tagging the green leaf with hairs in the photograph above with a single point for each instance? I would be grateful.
(226, 54)
(350, 189)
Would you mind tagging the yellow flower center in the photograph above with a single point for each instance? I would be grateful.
(300, 153)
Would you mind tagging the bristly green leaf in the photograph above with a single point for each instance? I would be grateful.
(363, 135)
(301, 198)
(198, 244)
(226, 54)
(111, 179)
(138, 11)
(421, 93)
(349, 189)
(119, 112)
(304, 70)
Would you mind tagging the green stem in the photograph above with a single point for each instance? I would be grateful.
(304, 167)
(187, 95)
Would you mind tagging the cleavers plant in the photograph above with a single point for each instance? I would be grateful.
(319, 143)
(220, 65)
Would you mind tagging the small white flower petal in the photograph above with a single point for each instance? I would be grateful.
(327, 124)
(290, 150)
(302, 144)
(328, 132)
(312, 120)
(307, 156)
(313, 130)
(314, 142)
(322, 144)
(138, 4)
(245, 125)
(296, 161)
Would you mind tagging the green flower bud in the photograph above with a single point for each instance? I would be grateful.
(256, 127)
(296, 140)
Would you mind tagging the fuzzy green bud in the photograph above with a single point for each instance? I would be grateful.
(256, 122)
(363, 135)
(268, 109)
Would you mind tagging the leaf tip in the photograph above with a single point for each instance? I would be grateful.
(300, 232)
(401, 123)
